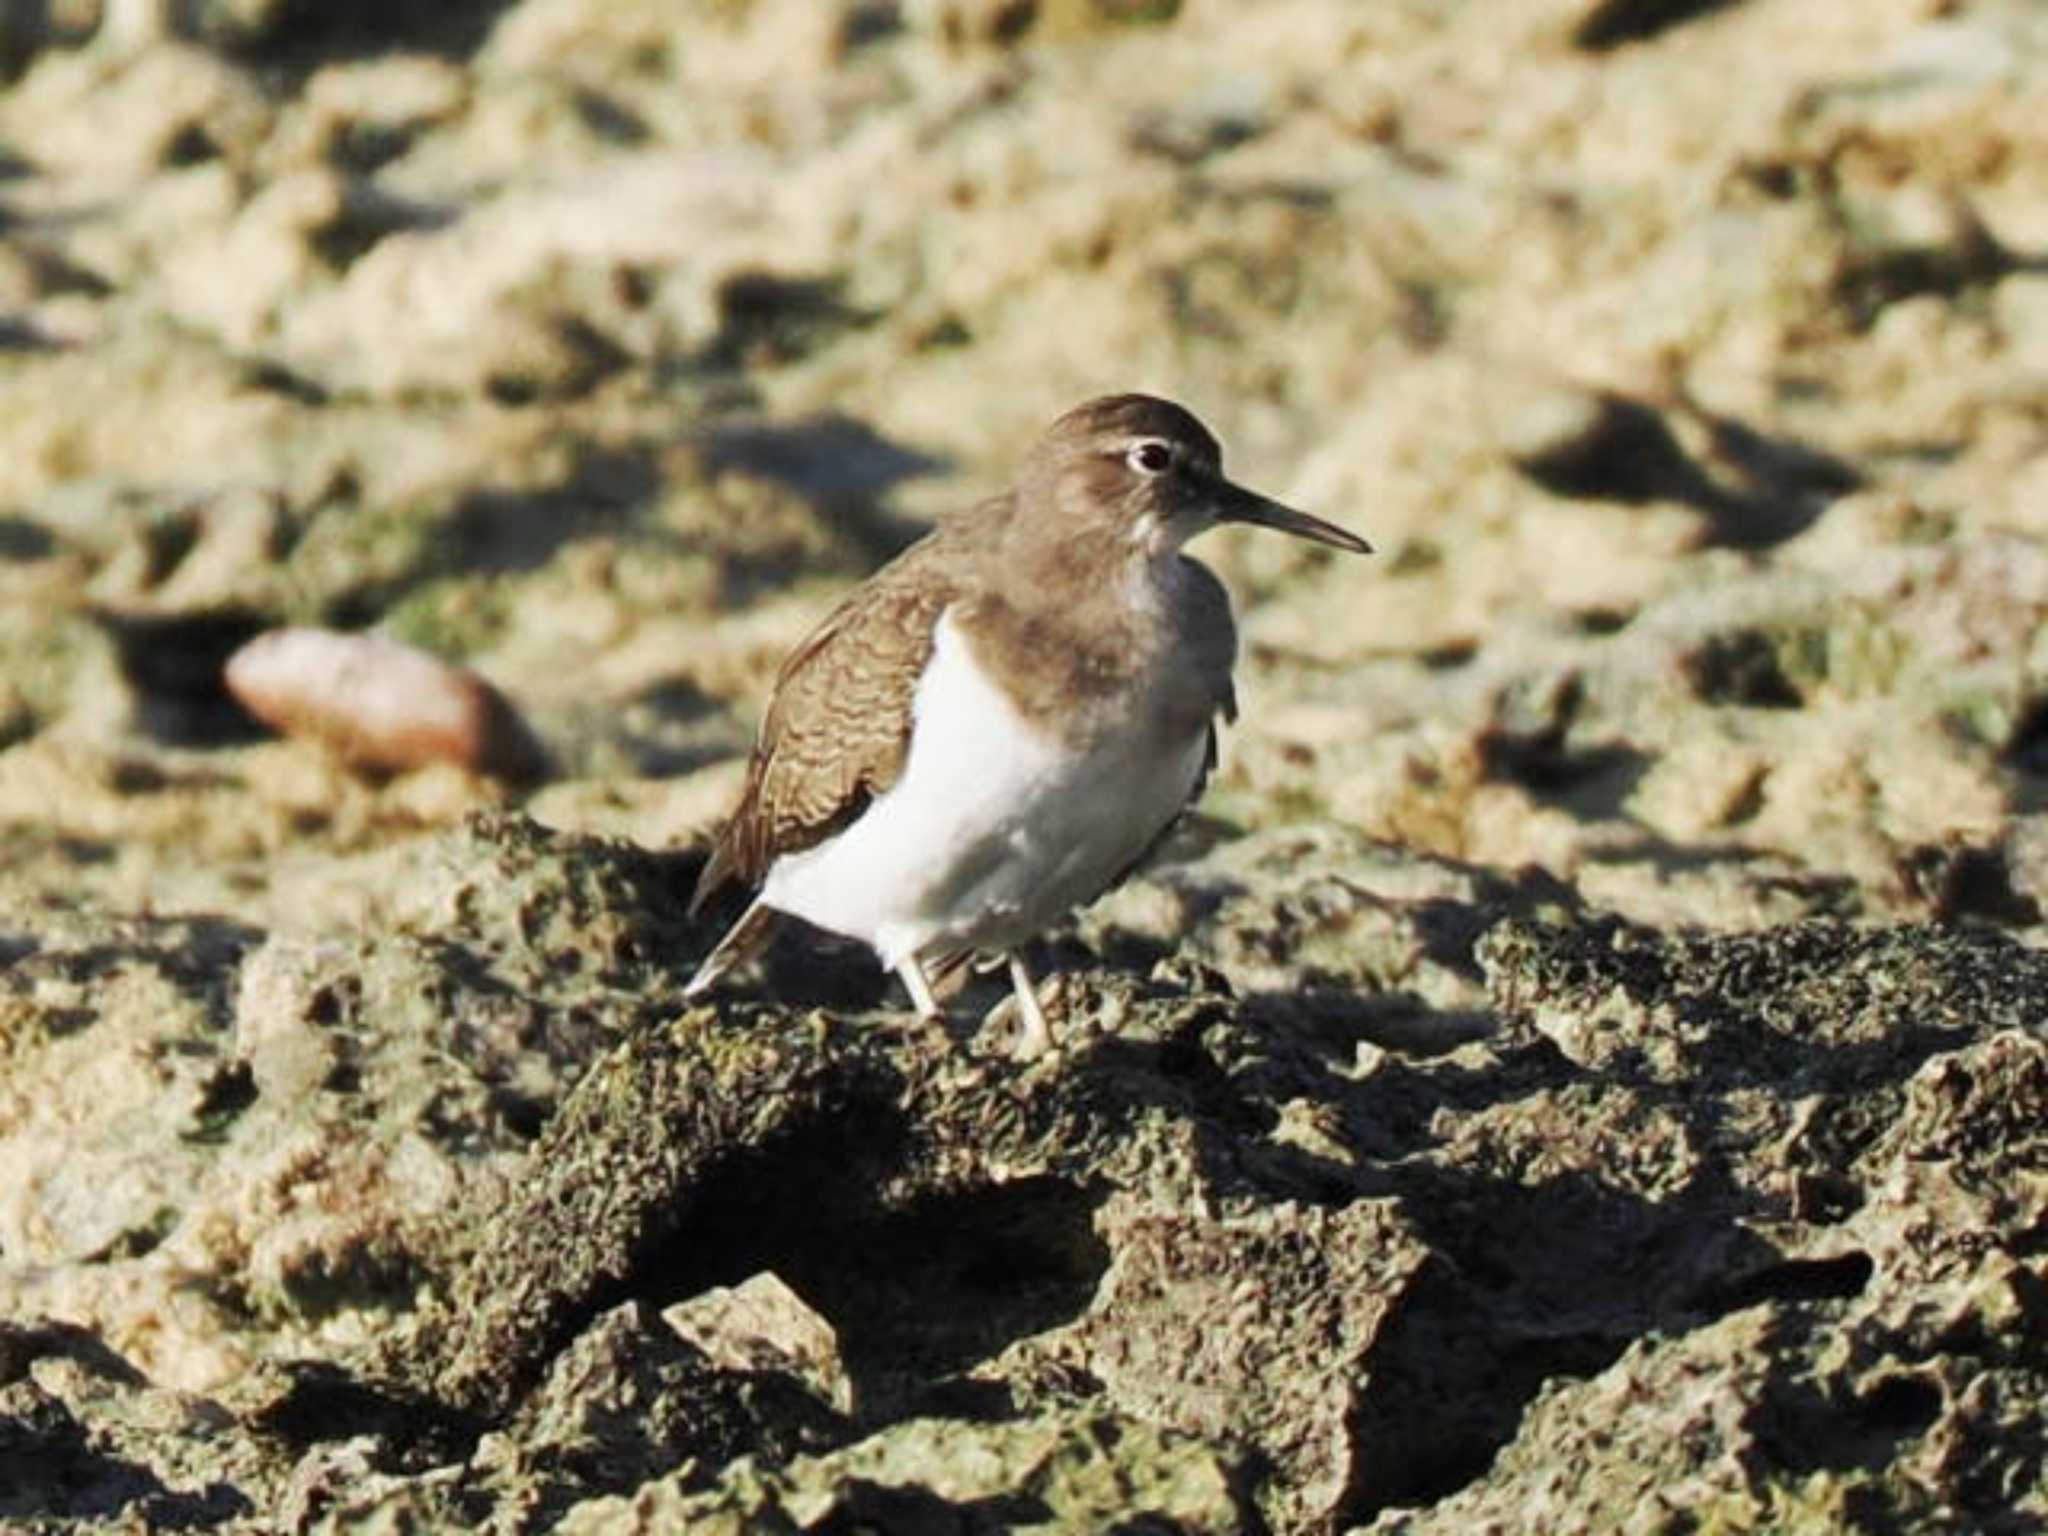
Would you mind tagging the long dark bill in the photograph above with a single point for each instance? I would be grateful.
(1235, 504)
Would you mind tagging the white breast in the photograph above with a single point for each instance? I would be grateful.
(994, 830)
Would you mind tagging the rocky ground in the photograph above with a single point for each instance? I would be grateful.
(1584, 1069)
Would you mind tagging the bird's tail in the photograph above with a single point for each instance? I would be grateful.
(740, 942)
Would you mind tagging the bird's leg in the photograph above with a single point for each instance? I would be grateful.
(911, 969)
(1035, 1037)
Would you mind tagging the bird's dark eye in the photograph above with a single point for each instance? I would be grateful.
(1151, 458)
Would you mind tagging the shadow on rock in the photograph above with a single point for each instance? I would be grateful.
(1755, 489)
(57, 1464)
(842, 467)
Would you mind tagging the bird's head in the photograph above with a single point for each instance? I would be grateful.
(1150, 475)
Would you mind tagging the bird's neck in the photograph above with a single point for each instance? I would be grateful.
(1095, 574)
(1077, 632)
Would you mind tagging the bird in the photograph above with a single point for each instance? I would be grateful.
(1007, 719)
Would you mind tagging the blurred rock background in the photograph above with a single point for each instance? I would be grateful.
(1686, 362)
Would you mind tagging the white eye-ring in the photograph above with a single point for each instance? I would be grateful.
(1151, 457)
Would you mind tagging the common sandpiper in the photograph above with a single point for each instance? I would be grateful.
(1004, 721)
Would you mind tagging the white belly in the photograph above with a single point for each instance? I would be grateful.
(993, 831)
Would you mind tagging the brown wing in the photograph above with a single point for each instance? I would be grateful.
(838, 725)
